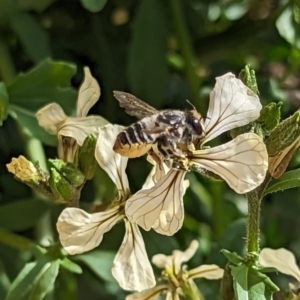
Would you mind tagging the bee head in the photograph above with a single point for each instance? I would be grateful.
(193, 119)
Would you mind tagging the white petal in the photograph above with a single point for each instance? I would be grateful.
(206, 271)
(80, 231)
(80, 128)
(149, 294)
(132, 268)
(50, 117)
(113, 163)
(281, 259)
(155, 175)
(160, 207)
(175, 260)
(88, 94)
(242, 162)
(231, 105)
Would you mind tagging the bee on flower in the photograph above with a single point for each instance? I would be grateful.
(80, 231)
(72, 131)
(242, 162)
(178, 280)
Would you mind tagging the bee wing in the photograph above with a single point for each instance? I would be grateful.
(134, 106)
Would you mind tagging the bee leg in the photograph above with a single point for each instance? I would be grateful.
(156, 158)
(169, 145)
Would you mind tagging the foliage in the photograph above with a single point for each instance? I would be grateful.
(164, 52)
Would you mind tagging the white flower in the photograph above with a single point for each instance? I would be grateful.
(176, 274)
(53, 119)
(80, 231)
(281, 259)
(242, 162)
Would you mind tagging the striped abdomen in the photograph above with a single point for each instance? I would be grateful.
(133, 141)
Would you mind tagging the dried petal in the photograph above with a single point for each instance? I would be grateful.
(80, 231)
(132, 268)
(113, 163)
(50, 117)
(81, 128)
(231, 105)
(206, 271)
(281, 259)
(23, 169)
(149, 294)
(160, 207)
(88, 94)
(242, 162)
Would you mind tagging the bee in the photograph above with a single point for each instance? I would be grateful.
(163, 134)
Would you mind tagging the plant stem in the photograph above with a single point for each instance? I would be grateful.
(15, 241)
(253, 222)
(35, 152)
(254, 199)
(190, 289)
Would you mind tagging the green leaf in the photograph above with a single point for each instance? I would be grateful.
(270, 116)
(147, 55)
(33, 37)
(47, 82)
(288, 26)
(29, 125)
(93, 5)
(71, 266)
(100, 262)
(4, 100)
(46, 282)
(4, 282)
(35, 280)
(288, 180)
(232, 257)
(249, 283)
(22, 215)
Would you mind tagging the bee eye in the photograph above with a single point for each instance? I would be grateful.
(197, 126)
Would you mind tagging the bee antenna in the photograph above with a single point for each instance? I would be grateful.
(204, 117)
(191, 104)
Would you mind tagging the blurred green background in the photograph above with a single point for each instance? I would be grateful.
(163, 52)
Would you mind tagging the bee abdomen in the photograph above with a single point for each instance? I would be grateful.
(132, 142)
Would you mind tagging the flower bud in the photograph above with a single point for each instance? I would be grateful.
(86, 157)
(282, 144)
(60, 187)
(248, 77)
(284, 135)
(68, 171)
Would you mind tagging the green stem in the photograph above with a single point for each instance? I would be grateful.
(14, 240)
(253, 222)
(254, 199)
(190, 289)
(187, 51)
(35, 152)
